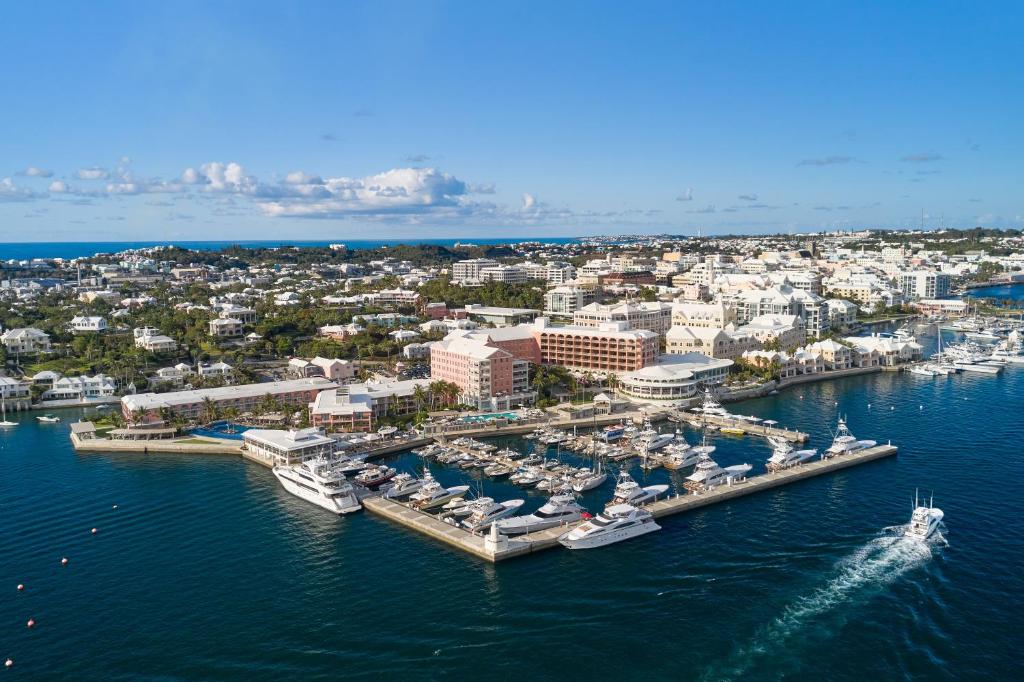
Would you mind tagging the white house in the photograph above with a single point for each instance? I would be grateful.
(152, 340)
(26, 340)
(82, 324)
(81, 387)
(226, 327)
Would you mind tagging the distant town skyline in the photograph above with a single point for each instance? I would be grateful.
(424, 120)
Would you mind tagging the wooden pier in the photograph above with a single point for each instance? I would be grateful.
(756, 428)
(490, 549)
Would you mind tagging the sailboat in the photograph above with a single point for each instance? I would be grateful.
(3, 415)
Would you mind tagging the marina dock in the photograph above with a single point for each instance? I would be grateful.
(485, 547)
(756, 428)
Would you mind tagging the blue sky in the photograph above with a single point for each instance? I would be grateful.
(422, 119)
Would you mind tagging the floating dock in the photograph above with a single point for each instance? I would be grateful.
(756, 428)
(493, 549)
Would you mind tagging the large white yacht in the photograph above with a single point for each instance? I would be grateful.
(403, 485)
(924, 521)
(432, 494)
(320, 482)
(845, 442)
(711, 406)
(679, 454)
(785, 456)
(649, 440)
(560, 508)
(628, 491)
(484, 512)
(615, 524)
(708, 474)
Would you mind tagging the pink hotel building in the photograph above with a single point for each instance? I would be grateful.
(491, 366)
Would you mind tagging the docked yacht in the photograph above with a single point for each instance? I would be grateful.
(375, 476)
(711, 406)
(708, 474)
(785, 456)
(432, 494)
(560, 508)
(678, 455)
(649, 440)
(351, 466)
(498, 470)
(612, 433)
(628, 491)
(616, 523)
(403, 485)
(586, 479)
(319, 481)
(924, 521)
(845, 442)
(925, 370)
(484, 513)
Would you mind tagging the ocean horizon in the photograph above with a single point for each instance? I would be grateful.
(29, 250)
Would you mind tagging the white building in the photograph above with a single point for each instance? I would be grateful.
(280, 447)
(566, 300)
(674, 378)
(653, 316)
(150, 339)
(26, 340)
(925, 284)
(82, 324)
(80, 388)
(226, 327)
(469, 270)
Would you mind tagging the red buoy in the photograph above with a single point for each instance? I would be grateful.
(31, 623)
(20, 587)
(64, 561)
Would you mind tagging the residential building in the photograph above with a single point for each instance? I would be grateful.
(764, 359)
(356, 407)
(84, 324)
(717, 314)
(714, 343)
(652, 316)
(835, 354)
(612, 347)
(925, 284)
(80, 388)
(25, 340)
(842, 314)
(566, 300)
(499, 316)
(226, 327)
(506, 274)
(16, 394)
(465, 271)
(488, 376)
(150, 339)
(786, 330)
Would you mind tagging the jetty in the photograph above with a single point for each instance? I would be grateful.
(495, 547)
(737, 424)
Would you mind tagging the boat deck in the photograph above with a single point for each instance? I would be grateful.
(756, 428)
(508, 547)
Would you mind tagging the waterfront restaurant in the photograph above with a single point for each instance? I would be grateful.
(277, 446)
(674, 378)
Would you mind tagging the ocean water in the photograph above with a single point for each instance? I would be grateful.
(27, 250)
(207, 570)
(1012, 292)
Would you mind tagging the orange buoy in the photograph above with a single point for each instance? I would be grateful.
(31, 623)
(94, 531)
(64, 561)
(20, 587)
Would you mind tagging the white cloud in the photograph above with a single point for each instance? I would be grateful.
(36, 172)
(59, 187)
(11, 192)
(529, 202)
(302, 178)
(92, 173)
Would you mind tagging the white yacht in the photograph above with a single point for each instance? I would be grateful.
(3, 415)
(628, 491)
(785, 456)
(432, 494)
(845, 442)
(925, 370)
(484, 513)
(560, 508)
(320, 482)
(375, 476)
(711, 406)
(679, 454)
(588, 480)
(615, 524)
(650, 440)
(403, 485)
(708, 474)
(48, 419)
(924, 521)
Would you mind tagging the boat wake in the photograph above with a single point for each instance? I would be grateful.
(857, 577)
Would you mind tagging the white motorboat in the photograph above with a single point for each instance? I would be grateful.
(320, 482)
(925, 371)
(403, 485)
(649, 440)
(350, 466)
(615, 524)
(498, 470)
(375, 476)
(711, 406)
(460, 507)
(484, 514)
(924, 521)
(560, 508)
(432, 494)
(48, 419)
(679, 454)
(612, 433)
(588, 480)
(785, 456)
(628, 491)
(844, 442)
(708, 474)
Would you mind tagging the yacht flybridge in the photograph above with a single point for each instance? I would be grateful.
(708, 474)
(785, 456)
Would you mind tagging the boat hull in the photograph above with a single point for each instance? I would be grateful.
(608, 538)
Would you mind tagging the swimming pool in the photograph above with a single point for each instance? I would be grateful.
(477, 418)
(221, 429)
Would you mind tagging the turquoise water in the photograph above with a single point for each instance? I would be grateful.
(225, 430)
(475, 418)
(208, 570)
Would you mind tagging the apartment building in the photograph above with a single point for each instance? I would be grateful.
(918, 284)
(465, 271)
(716, 314)
(488, 376)
(611, 347)
(506, 274)
(566, 300)
(714, 343)
(652, 316)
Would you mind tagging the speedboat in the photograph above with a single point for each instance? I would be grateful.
(708, 474)
(375, 476)
(785, 456)
(924, 521)
(319, 481)
(616, 523)
(433, 495)
(628, 491)
(48, 419)
(560, 508)
(403, 485)
(484, 513)
(844, 442)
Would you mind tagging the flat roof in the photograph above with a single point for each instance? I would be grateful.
(154, 401)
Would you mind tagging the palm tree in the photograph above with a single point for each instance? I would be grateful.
(419, 396)
(210, 410)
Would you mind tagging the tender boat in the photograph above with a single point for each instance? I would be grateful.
(616, 523)
(560, 508)
(48, 419)
(844, 442)
(628, 491)
(924, 521)
(484, 513)
(785, 456)
(319, 481)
